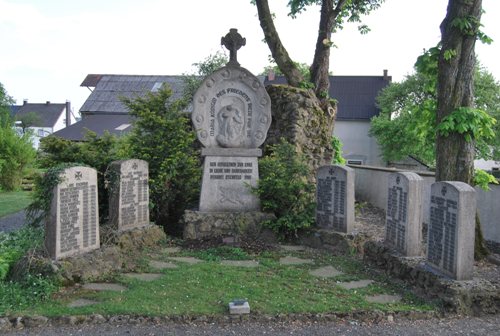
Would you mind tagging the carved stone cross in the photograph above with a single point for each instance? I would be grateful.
(233, 41)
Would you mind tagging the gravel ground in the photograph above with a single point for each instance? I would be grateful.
(12, 222)
(488, 325)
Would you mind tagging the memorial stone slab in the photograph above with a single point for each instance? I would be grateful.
(335, 198)
(74, 217)
(451, 233)
(404, 213)
(226, 181)
(129, 194)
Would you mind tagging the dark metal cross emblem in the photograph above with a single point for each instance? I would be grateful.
(78, 175)
(331, 171)
(135, 166)
(233, 41)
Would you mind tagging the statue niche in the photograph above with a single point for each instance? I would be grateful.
(231, 120)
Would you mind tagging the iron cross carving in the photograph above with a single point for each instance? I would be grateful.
(233, 41)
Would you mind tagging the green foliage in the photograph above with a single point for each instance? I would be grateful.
(482, 179)
(406, 124)
(352, 11)
(38, 211)
(473, 123)
(337, 151)
(471, 26)
(284, 190)
(15, 244)
(5, 102)
(163, 137)
(95, 152)
(204, 68)
(16, 158)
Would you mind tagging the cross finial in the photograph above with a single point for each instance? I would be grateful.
(233, 41)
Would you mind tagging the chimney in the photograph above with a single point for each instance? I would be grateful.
(25, 101)
(271, 75)
(386, 74)
(68, 113)
(47, 102)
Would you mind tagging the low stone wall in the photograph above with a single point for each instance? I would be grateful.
(371, 186)
(117, 254)
(199, 225)
(474, 297)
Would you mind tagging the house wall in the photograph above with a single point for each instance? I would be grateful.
(357, 143)
(371, 186)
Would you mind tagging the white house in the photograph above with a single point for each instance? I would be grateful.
(47, 118)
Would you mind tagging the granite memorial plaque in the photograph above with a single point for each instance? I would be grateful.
(232, 114)
(129, 194)
(450, 241)
(74, 219)
(335, 198)
(404, 213)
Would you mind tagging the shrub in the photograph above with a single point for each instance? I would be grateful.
(284, 190)
(16, 156)
(95, 152)
(163, 137)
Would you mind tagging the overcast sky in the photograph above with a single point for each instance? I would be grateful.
(49, 46)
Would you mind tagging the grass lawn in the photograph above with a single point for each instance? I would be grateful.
(11, 202)
(207, 287)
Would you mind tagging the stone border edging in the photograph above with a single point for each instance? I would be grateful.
(11, 323)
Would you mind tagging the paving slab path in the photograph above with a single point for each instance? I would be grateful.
(384, 298)
(81, 303)
(293, 248)
(325, 272)
(356, 284)
(161, 265)
(240, 263)
(288, 260)
(143, 276)
(171, 250)
(188, 260)
(104, 286)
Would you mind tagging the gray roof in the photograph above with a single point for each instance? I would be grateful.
(355, 94)
(47, 112)
(109, 89)
(98, 124)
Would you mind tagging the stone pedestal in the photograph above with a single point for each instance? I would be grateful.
(451, 234)
(403, 229)
(228, 175)
(129, 194)
(199, 225)
(335, 198)
(73, 227)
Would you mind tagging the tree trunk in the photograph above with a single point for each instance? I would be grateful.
(454, 155)
(278, 51)
(320, 76)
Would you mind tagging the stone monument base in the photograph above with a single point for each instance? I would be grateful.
(199, 224)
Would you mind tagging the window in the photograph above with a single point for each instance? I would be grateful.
(40, 132)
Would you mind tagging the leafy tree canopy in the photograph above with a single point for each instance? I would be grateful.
(406, 124)
(5, 102)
